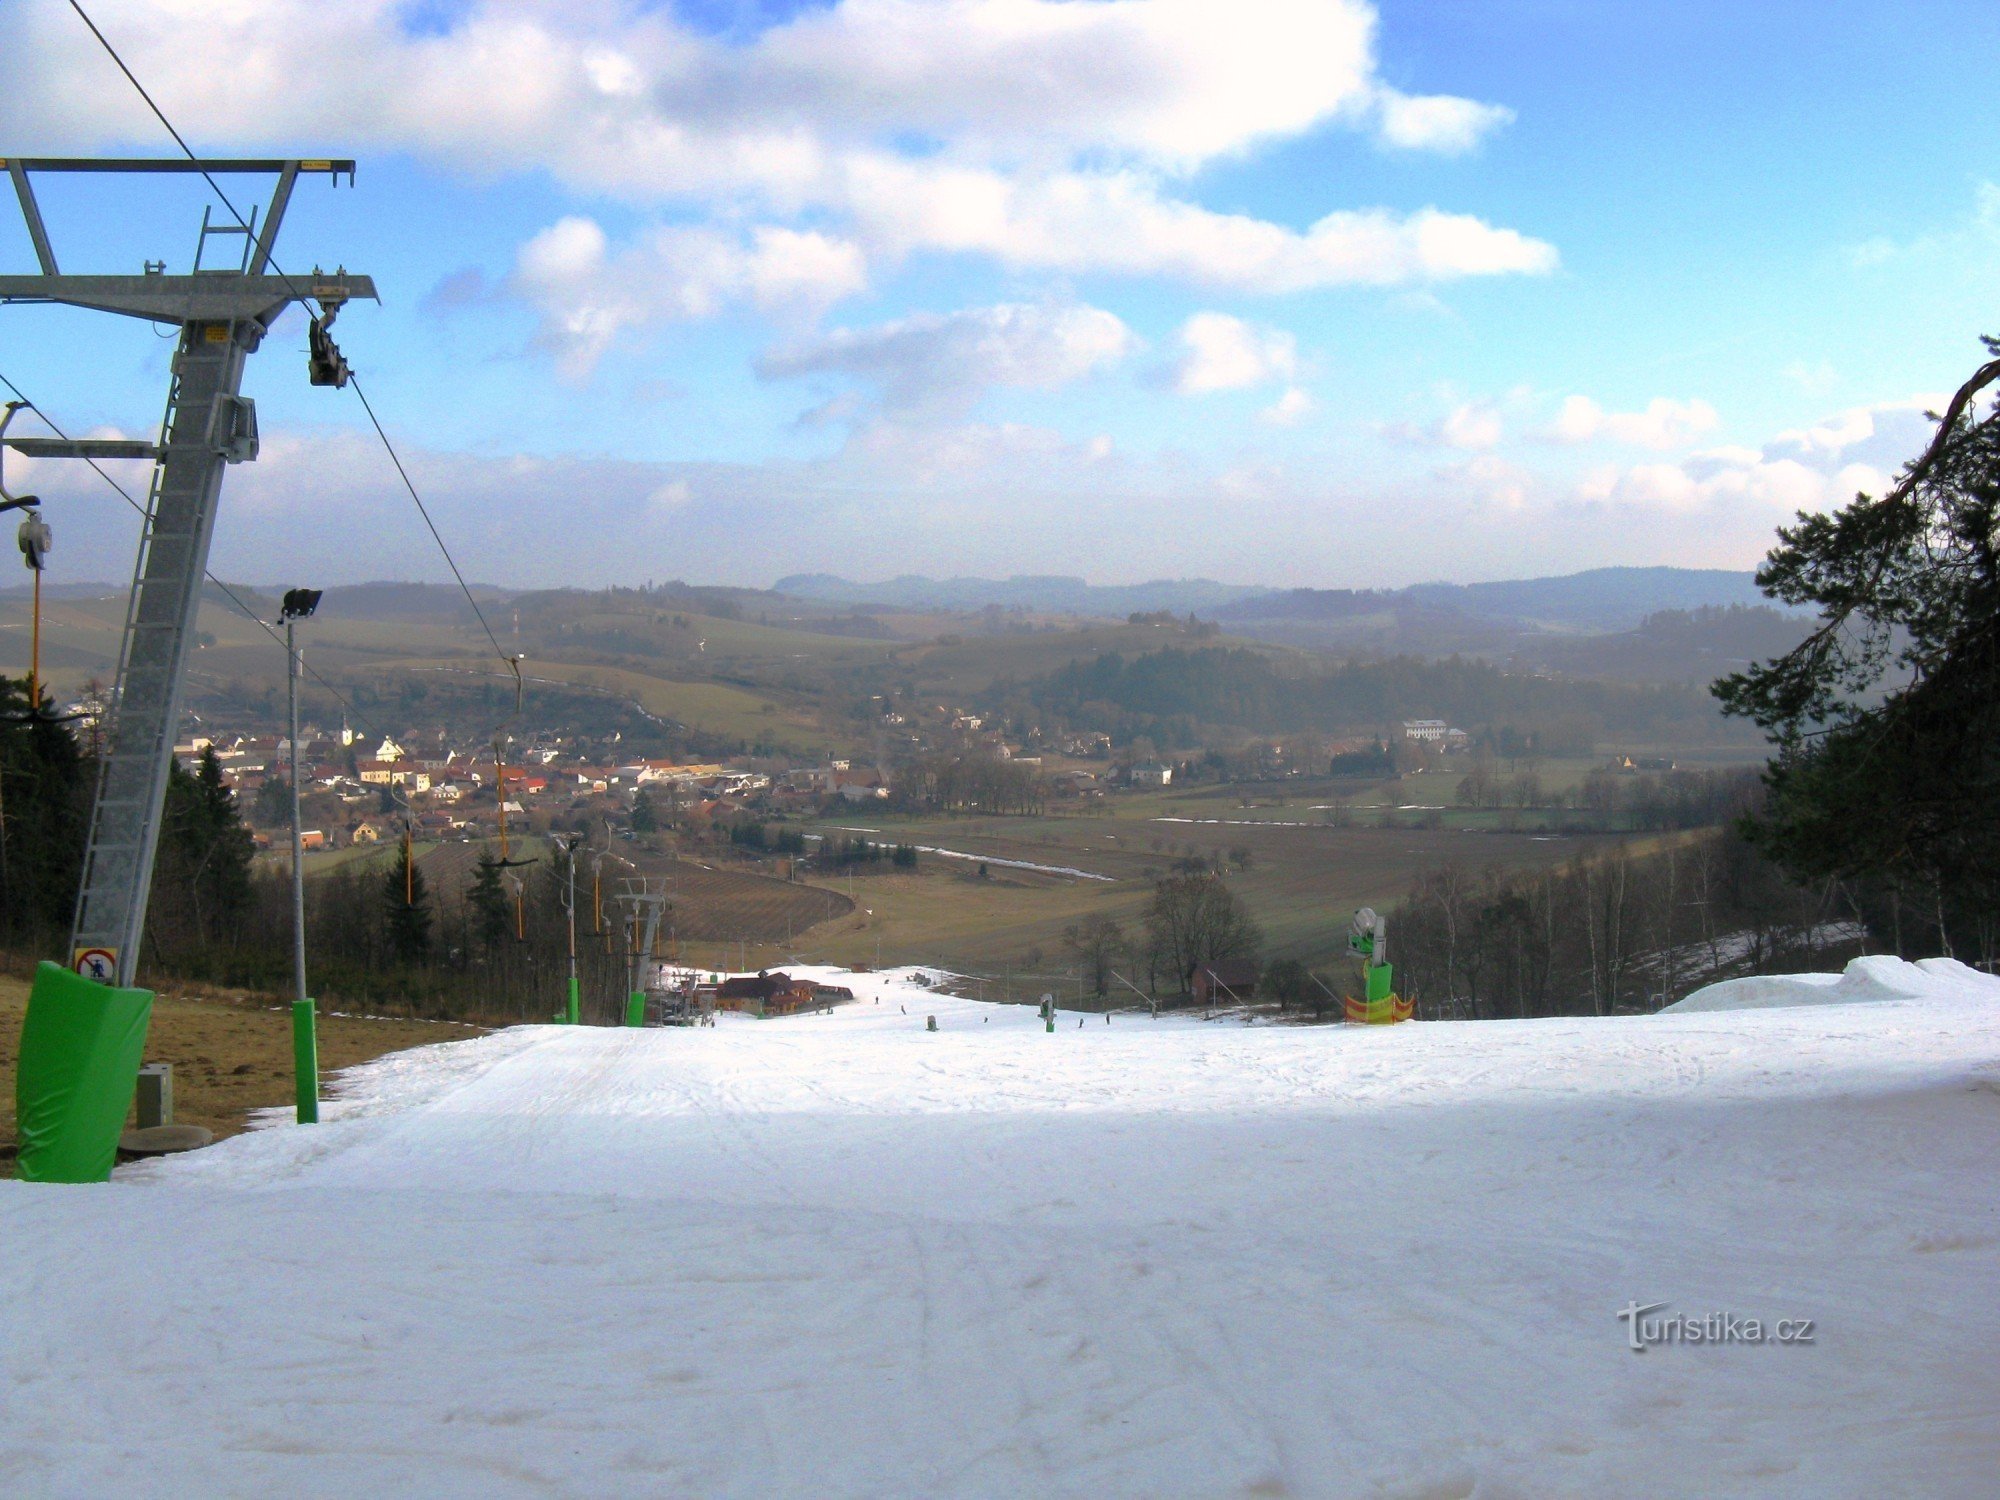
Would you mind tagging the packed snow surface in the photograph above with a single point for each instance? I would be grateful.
(841, 1255)
(1876, 978)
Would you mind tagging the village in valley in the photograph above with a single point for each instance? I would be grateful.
(361, 792)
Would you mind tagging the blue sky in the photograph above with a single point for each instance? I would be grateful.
(1284, 291)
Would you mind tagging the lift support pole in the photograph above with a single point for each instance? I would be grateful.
(223, 316)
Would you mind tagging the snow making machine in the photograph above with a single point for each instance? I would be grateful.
(1379, 1005)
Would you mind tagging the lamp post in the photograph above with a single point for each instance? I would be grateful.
(571, 1004)
(298, 605)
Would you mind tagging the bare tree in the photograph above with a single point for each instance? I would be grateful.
(1099, 944)
(1195, 919)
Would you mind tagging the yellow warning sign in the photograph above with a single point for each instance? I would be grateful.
(216, 333)
(100, 964)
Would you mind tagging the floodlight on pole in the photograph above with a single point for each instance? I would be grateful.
(571, 1004)
(297, 605)
(36, 541)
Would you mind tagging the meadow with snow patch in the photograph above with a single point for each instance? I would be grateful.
(843, 1255)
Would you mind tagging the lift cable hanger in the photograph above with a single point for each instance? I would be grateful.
(223, 313)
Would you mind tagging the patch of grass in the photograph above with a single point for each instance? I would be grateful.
(232, 1053)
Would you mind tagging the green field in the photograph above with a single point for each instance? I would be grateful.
(1300, 875)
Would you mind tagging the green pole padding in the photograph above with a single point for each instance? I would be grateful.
(1379, 977)
(81, 1046)
(635, 1009)
(573, 1009)
(305, 1061)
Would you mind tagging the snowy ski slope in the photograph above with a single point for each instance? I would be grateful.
(840, 1255)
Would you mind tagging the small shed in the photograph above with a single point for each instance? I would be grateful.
(766, 994)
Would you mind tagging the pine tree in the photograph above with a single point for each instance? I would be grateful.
(44, 813)
(201, 871)
(645, 817)
(1886, 718)
(492, 922)
(406, 910)
(273, 804)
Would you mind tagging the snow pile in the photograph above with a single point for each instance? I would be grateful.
(1876, 978)
(841, 1254)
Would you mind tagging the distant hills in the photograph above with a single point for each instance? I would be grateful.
(1046, 593)
(1595, 601)
(1600, 599)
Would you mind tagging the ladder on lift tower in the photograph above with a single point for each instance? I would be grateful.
(222, 316)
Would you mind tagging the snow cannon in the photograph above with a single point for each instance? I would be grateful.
(1368, 940)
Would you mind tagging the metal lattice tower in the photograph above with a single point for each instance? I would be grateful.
(645, 902)
(223, 316)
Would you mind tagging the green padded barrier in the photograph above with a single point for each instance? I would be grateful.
(80, 1051)
(305, 1062)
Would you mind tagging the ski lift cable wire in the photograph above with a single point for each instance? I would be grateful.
(389, 447)
(230, 594)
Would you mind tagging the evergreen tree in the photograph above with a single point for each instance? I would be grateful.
(645, 818)
(272, 806)
(1887, 717)
(45, 783)
(201, 872)
(492, 921)
(406, 910)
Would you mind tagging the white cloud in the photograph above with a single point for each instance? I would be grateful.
(1857, 479)
(1600, 483)
(1176, 81)
(1858, 424)
(1476, 424)
(588, 295)
(1438, 122)
(629, 100)
(1224, 353)
(1051, 136)
(1664, 423)
(1844, 430)
(943, 362)
(924, 493)
(1730, 453)
(1974, 239)
(1494, 482)
(1122, 222)
(1469, 424)
(1289, 409)
(1767, 492)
